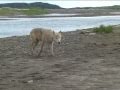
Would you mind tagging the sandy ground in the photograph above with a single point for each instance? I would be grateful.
(81, 62)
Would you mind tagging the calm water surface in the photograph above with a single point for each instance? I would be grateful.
(22, 26)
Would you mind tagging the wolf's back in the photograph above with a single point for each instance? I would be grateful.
(36, 34)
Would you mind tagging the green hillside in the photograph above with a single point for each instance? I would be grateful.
(27, 11)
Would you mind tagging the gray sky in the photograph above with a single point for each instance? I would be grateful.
(70, 3)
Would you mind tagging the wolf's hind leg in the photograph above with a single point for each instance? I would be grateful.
(33, 45)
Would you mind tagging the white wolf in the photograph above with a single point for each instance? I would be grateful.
(44, 36)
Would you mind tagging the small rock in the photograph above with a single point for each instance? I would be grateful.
(82, 32)
(92, 33)
(30, 81)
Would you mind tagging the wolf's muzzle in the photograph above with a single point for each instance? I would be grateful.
(59, 42)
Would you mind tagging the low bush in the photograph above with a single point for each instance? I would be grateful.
(103, 29)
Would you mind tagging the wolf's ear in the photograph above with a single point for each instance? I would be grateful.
(60, 31)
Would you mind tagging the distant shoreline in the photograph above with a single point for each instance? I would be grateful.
(42, 16)
(68, 13)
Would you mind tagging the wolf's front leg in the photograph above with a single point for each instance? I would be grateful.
(33, 45)
(52, 48)
(41, 49)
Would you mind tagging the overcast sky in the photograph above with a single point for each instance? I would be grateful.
(70, 3)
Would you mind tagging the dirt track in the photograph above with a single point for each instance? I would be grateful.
(82, 62)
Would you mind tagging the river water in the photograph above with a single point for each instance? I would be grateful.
(22, 26)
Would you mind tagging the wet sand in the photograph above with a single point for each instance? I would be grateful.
(83, 61)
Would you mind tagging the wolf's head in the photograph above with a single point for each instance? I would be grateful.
(58, 37)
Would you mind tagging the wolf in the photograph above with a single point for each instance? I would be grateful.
(45, 36)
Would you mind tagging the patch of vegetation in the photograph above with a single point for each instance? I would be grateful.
(33, 11)
(7, 11)
(26, 11)
(117, 7)
(103, 29)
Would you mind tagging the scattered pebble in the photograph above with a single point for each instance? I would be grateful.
(30, 81)
(92, 33)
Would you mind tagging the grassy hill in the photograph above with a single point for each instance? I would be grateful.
(29, 5)
(27, 11)
(38, 8)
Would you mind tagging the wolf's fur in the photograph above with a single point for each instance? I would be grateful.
(44, 36)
